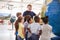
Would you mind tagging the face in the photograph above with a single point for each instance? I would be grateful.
(20, 16)
(31, 21)
(29, 8)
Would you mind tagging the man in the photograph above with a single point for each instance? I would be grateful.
(28, 11)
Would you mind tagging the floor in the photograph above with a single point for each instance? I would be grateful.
(6, 32)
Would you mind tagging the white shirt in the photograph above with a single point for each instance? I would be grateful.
(35, 28)
(46, 32)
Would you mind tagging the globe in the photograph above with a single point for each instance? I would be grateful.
(54, 16)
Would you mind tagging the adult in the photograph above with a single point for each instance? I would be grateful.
(28, 11)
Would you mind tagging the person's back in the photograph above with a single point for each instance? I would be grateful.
(16, 24)
(46, 32)
(35, 29)
(20, 30)
(26, 25)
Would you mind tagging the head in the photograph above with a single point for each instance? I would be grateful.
(36, 19)
(26, 18)
(30, 20)
(29, 6)
(20, 20)
(18, 14)
(45, 20)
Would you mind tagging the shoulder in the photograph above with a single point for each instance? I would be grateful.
(25, 22)
(20, 24)
(36, 24)
(50, 26)
(32, 12)
(24, 12)
(31, 24)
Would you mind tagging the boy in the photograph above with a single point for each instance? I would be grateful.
(30, 21)
(35, 29)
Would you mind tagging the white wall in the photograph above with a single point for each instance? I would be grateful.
(21, 6)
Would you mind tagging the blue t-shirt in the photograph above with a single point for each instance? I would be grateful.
(29, 13)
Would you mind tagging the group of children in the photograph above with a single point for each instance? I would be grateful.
(29, 28)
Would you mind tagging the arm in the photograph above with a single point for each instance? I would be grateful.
(23, 31)
(24, 14)
(40, 32)
(29, 30)
(34, 14)
(16, 26)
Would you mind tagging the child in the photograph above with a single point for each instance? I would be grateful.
(30, 21)
(21, 33)
(26, 25)
(46, 30)
(16, 24)
(35, 29)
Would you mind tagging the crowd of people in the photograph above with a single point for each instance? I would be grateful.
(28, 27)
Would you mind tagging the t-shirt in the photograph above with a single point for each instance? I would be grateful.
(26, 25)
(35, 28)
(46, 32)
(29, 13)
(20, 30)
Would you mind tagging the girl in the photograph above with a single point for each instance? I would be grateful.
(46, 30)
(21, 33)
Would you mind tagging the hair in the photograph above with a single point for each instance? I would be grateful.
(29, 5)
(19, 13)
(45, 20)
(20, 19)
(36, 19)
(27, 17)
(16, 23)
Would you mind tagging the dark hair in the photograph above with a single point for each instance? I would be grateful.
(36, 19)
(20, 19)
(46, 16)
(16, 23)
(27, 17)
(19, 13)
(45, 20)
(29, 5)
